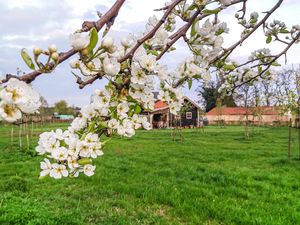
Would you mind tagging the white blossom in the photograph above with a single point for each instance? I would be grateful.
(79, 41)
(58, 171)
(89, 170)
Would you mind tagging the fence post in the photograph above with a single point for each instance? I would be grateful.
(290, 137)
(298, 127)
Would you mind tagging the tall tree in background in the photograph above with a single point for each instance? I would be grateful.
(209, 94)
(61, 107)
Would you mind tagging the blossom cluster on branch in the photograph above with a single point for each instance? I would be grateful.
(133, 71)
(17, 98)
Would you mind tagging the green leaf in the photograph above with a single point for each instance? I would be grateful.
(27, 59)
(211, 11)
(192, 7)
(193, 30)
(220, 63)
(119, 80)
(137, 109)
(267, 73)
(259, 69)
(84, 161)
(152, 52)
(93, 39)
(276, 64)
(146, 46)
(228, 67)
(269, 39)
(284, 31)
(190, 83)
(103, 124)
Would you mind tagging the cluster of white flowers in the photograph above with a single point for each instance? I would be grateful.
(160, 38)
(173, 97)
(71, 153)
(275, 28)
(243, 75)
(142, 80)
(194, 67)
(207, 41)
(170, 24)
(18, 97)
(261, 54)
(103, 62)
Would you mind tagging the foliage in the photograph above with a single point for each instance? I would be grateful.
(209, 95)
(61, 107)
(209, 178)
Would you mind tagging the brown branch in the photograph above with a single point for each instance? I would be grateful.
(82, 83)
(243, 9)
(229, 50)
(150, 34)
(161, 9)
(146, 37)
(182, 80)
(180, 33)
(108, 18)
(271, 62)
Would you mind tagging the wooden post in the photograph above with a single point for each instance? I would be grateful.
(20, 136)
(168, 119)
(11, 137)
(290, 137)
(299, 135)
(27, 135)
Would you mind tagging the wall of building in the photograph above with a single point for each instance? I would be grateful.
(265, 119)
(190, 122)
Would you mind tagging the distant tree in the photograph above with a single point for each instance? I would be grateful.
(44, 103)
(61, 107)
(246, 97)
(209, 94)
(287, 92)
(44, 106)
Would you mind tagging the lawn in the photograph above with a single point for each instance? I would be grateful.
(215, 177)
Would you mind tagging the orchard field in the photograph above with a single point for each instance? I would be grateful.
(215, 177)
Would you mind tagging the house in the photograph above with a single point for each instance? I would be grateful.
(161, 117)
(63, 117)
(236, 115)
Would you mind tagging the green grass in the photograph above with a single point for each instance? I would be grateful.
(215, 177)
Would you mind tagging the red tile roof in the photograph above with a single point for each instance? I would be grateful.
(267, 110)
(160, 104)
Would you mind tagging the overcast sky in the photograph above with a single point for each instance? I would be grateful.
(29, 23)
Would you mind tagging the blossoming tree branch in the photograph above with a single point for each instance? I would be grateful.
(132, 70)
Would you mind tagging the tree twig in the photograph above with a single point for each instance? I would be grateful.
(108, 17)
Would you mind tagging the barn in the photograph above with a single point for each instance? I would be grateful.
(258, 115)
(161, 117)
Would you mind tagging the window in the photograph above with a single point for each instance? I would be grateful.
(189, 115)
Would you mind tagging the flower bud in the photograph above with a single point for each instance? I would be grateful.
(112, 49)
(55, 56)
(107, 42)
(52, 48)
(74, 63)
(85, 51)
(37, 51)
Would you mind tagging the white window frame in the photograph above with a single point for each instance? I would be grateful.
(189, 115)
